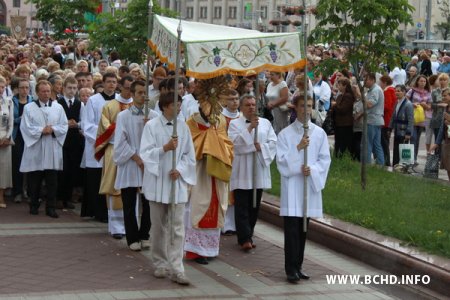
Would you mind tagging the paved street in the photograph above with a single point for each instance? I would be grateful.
(71, 258)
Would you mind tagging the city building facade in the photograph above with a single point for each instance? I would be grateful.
(17, 8)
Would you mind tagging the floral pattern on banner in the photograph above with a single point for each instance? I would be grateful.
(244, 54)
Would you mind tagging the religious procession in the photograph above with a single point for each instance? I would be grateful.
(175, 153)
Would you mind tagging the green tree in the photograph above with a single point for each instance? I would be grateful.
(444, 27)
(368, 29)
(126, 31)
(63, 14)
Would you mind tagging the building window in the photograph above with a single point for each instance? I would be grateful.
(203, 12)
(190, 13)
(16, 3)
(264, 12)
(217, 12)
(232, 12)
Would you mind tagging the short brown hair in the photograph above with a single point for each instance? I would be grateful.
(167, 98)
(386, 80)
(42, 82)
(71, 80)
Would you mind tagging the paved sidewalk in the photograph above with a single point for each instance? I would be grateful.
(72, 258)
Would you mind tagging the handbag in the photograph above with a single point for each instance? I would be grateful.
(432, 166)
(419, 115)
(283, 107)
(328, 123)
(406, 154)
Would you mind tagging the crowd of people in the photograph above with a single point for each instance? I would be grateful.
(76, 127)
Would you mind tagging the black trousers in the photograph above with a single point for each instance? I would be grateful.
(356, 145)
(94, 204)
(70, 174)
(245, 214)
(385, 137)
(343, 140)
(17, 152)
(34, 187)
(132, 232)
(294, 244)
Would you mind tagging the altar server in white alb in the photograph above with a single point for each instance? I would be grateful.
(241, 133)
(44, 127)
(130, 168)
(157, 146)
(291, 145)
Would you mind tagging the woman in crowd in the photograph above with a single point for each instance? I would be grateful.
(19, 100)
(278, 95)
(97, 56)
(57, 87)
(245, 86)
(402, 121)
(389, 104)
(419, 95)
(342, 112)
(6, 129)
(437, 105)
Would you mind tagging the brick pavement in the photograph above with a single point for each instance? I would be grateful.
(72, 258)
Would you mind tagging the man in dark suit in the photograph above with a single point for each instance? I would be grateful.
(73, 145)
(402, 121)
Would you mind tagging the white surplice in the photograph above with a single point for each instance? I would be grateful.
(157, 183)
(43, 152)
(189, 106)
(290, 161)
(128, 134)
(91, 118)
(244, 147)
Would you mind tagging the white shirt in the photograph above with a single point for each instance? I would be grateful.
(397, 76)
(289, 163)
(91, 119)
(189, 106)
(157, 183)
(244, 148)
(43, 152)
(274, 91)
(322, 93)
(128, 134)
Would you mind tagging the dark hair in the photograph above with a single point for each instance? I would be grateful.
(402, 87)
(427, 84)
(166, 99)
(370, 76)
(135, 83)
(109, 75)
(114, 55)
(386, 79)
(126, 78)
(348, 85)
(432, 79)
(300, 98)
(124, 69)
(171, 83)
(81, 74)
(241, 85)
(163, 84)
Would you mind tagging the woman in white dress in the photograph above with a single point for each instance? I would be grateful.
(6, 128)
(278, 95)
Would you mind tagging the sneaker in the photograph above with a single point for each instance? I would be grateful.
(180, 278)
(145, 244)
(135, 247)
(160, 273)
(18, 198)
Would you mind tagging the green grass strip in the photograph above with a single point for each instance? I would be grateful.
(412, 209)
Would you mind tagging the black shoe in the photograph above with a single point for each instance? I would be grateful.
(34, 210)
(68, 205)
(303, 275)
(201, 260)
(51, 213)
(293, 278)
(117, 236)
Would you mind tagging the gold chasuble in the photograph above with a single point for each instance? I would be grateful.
(103, 148)
(214, 155)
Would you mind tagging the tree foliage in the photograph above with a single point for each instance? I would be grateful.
(126, 31)
(65, 14)
(368, 29)
(444, 27)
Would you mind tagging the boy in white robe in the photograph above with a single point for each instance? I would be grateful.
(127, 141)
(44, 127)
(290, 161)
(157, 146)
(242, 133)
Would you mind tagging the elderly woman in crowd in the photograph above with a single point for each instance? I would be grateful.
(278, 96)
